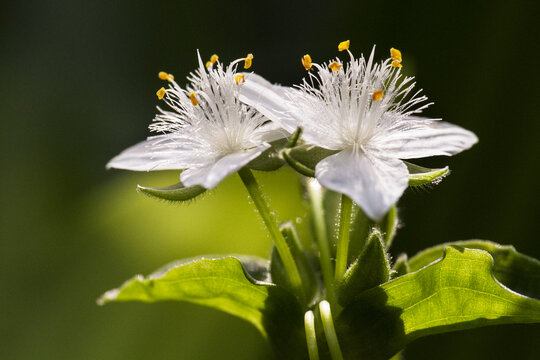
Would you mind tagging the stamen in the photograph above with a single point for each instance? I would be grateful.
(377, 95)
(161, 93)
(247, 61)
(344, 45)
(164, 76)
(239, 78)
(335, 66)
(193, 98)
(213, 59)
(395, 55)
(306, 61)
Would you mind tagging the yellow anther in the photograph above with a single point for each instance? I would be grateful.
(161, 93)
(335, 66)
(306, 61)
(344, 45)
(193, 99)
(239, 79)
(247, 61)
(377, 95)
(396, 63)
(164, 76)
(213, 59)
(395, 54)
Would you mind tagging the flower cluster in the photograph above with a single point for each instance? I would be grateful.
(365, 111)
(207, 132)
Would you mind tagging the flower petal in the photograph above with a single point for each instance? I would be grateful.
(269, 99)
(417, 138)
(156, 153)
(209, 176)
(373, 181)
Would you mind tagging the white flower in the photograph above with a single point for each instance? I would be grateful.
(364, 110)
(207, 132)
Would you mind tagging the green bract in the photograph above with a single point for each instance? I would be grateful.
(177, 192)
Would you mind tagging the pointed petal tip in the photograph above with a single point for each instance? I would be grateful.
(374, 183)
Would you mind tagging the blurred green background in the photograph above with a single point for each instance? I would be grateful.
(78, 82)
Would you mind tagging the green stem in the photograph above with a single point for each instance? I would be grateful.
(321, 234)
(311, 337)
(343, 237)
(330, 331)
(279, 241)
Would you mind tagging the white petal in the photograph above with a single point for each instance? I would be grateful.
(269, 99)
(156, 153)
(268, 132)
(209, 176)
(374, 182)
(418, 138)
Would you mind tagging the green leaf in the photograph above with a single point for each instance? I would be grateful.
(307, 273)
(176, 192)
(455, 293)
(419, 175)
(372, 268)
(226, 285)
(304, 158)
(519, 272)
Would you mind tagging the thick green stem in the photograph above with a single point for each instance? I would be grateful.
(311, 337)
(316, 198)
(330, 331)
(279, 241)
(343, 237)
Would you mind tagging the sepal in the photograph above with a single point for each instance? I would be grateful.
(419, 175)
(401, 266)
(269, 160)
(372, 268)
(304, 158)
(176, 192)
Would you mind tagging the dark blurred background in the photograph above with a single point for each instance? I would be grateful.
(77, 85)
